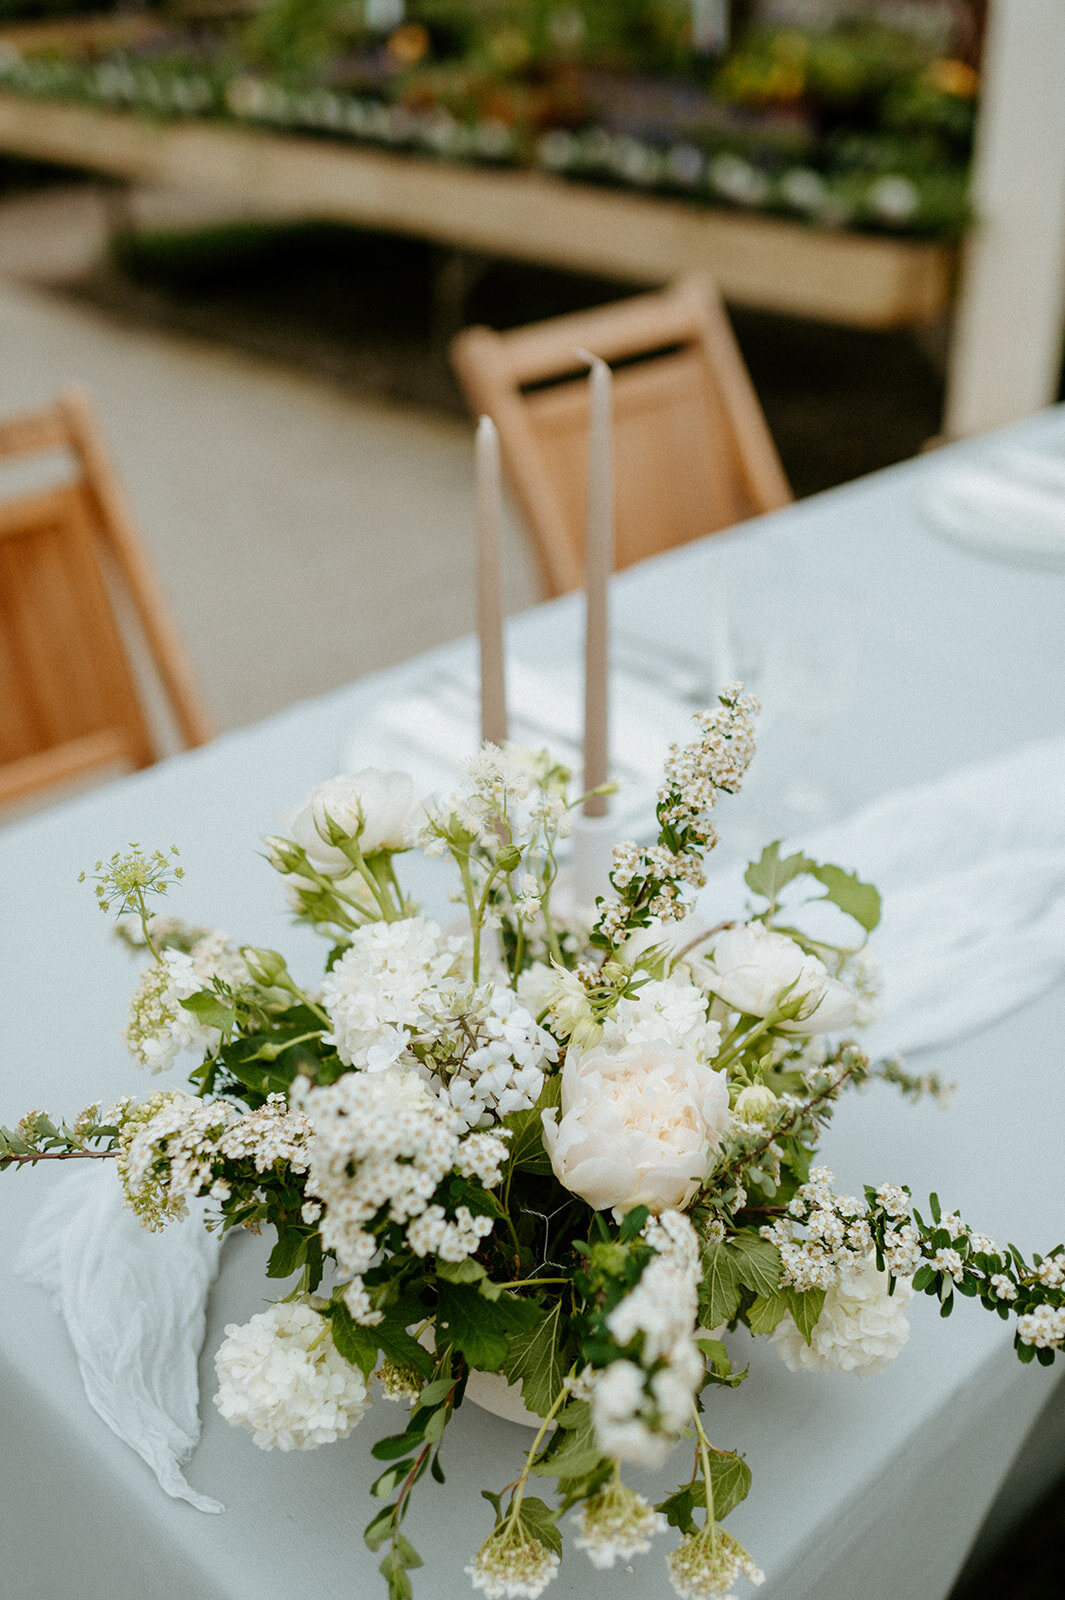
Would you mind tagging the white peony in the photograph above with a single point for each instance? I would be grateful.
(281, 1377)
(752, 965)
(637, 1125)
(861, 1329)
(381, 809)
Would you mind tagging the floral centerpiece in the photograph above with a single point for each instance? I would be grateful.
(553, 1154)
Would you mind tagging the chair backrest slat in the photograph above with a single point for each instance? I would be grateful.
(69, 698)
(693, 452)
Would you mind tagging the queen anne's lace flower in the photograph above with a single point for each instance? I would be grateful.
(861, 1328)
(617, 1524)
(281, 1377)
(512, 1565)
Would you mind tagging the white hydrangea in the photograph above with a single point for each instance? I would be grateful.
(861, 1328)
(281, 1377)
(159, 1026)
(387, 987)
(671, 1010)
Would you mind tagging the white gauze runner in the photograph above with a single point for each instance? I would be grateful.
(972, 873)
(134, 1304)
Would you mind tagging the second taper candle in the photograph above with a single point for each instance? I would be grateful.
(490, 583)
(598, 566)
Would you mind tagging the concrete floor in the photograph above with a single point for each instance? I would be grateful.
(305, 536)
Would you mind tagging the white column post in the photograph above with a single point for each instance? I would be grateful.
(1007, 341)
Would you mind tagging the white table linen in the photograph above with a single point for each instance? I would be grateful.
(874, 1489)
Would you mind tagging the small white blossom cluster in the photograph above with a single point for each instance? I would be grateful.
(562, 997)
(159, 1026)
(670, 1010)
(1044, 1327)
(513, 1565)
(381, 1144)
(718, 759)
(616, 1524)
(838, 1236)
(170, 1145)
(861, 1329)
(512, 795)
(671, 869)
(281, 1377)
(638, 1409)
(706, 1564)
(501, 1052)
(386, 987)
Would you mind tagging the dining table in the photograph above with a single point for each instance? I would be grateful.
(887, 651)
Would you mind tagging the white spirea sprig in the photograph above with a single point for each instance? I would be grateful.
(281, 1377)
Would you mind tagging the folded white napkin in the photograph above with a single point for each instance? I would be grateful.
(134, 1307)
(1010, 504)
(972, 871)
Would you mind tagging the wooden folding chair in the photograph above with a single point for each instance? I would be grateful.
(69, 699)
(693, 453)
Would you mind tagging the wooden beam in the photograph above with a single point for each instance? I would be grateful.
(1006, 352)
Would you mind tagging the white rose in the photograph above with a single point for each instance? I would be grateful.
(380, 809)
(751, 965)
(637, 1126)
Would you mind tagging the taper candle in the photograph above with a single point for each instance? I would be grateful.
(598, 566)
(490, 583)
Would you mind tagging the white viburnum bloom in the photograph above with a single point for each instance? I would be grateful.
(513, 1565)
(387, 986)
(670, 1010)
(637, 1126)
(861, 1328)
(754, 969)
(380, 810)
(706, 1564)
(616, 1524)
(281, 1377)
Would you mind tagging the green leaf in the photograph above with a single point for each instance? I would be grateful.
(208, 1009)
(478, 1327)
(288, 1253)
(731, 1478)
(767, 1311)
(769, 874)
(378, 1530)
(534, 1361)
(579, 1452)
(395, 1342)
(678, 1508)
(391, 1479)
(806, 1306)
(757, 1262)
(720, 1366)
(539, 1519)
(719, 1292)
(357, 1345)
(847, 891)
(526, 1146)
(397, 1444)
(632, 1222)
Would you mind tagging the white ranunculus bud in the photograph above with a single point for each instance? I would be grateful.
(637, 1126)
(381, 810)
(752, 966)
